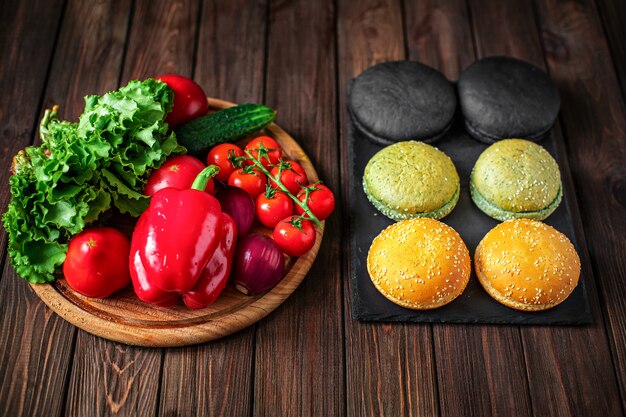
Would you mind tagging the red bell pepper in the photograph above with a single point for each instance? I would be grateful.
(215, 274)
(173, 241)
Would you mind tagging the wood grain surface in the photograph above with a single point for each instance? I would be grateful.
(309, 357)
(594, 123)
(612, 14)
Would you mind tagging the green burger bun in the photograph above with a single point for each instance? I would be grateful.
(516, 178)
(411, 179)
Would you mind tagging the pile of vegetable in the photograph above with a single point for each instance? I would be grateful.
(193, 234)
(83, 169)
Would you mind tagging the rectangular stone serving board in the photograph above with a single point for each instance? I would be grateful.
(474, 305)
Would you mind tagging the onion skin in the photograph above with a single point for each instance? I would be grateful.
(239, 205)
(259, 264)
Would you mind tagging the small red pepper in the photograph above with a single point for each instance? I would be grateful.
(214, 277)
(173, 241)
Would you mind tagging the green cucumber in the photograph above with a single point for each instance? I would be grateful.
(226, 125)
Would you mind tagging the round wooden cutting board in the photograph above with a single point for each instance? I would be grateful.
(124, 318)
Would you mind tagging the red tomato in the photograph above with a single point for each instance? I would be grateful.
(250, 180)
(96, 264)
(321, 201)
(220, 156)
(274, 151)
(189, 100)
(294, 236)
(272, 208)
(292, 176)
(177, 172)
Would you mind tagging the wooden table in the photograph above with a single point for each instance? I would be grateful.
(309, 357)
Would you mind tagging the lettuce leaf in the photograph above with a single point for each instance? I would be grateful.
(82, 170)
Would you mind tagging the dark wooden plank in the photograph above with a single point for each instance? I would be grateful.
(299, 367)
(32, 374)
(211, 379)
(25, 56)
(567, 366)
(613, 14)
(481, 371)
(439, 34)
(594, 117)
(88, 58)
(390, 368)
(162, 39)
(231, 50)
(216, 378)
(109, 378)
(35, 348)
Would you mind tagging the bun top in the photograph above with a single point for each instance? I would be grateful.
(419, 263)
(517, 175)
(508, 98)
(529, 263)
(411, 177)
(402, 100)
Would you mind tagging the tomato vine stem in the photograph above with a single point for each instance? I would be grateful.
(262, 151)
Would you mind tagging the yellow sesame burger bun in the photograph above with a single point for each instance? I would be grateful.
(527, 265)
(419, 263)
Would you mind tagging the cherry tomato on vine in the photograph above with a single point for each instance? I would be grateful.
(292, 176)
(248, 179)
(189, 100)
(221, 156)
(321, 201)
(272, 207)
(274, 151)
(177, 172)
(294, 235)
(96, 264)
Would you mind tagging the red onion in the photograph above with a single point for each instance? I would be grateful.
(240, 206)
(259, 264)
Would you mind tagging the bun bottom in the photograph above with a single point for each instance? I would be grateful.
(382, 141)
(502, 299)
(489, 139)
(395, 215)
(498, 213)
(420, 306)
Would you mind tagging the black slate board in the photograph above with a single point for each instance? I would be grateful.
(474, 305)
